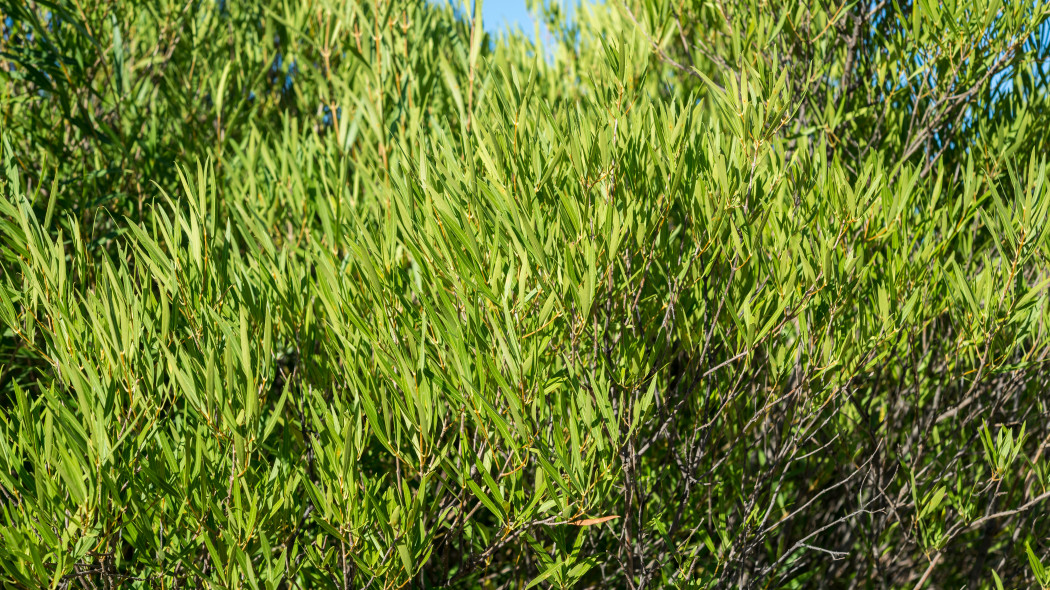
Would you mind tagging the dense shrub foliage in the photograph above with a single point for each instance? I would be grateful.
(347, 294)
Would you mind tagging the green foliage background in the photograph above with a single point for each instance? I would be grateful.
(352, 294)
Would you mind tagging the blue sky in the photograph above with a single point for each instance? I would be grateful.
(501, 15)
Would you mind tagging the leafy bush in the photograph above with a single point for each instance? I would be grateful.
(352, 294)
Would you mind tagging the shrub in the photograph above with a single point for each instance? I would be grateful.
(353, 294)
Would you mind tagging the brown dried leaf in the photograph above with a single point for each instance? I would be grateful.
(590, 521)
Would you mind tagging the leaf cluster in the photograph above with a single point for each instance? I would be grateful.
(355, 294)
